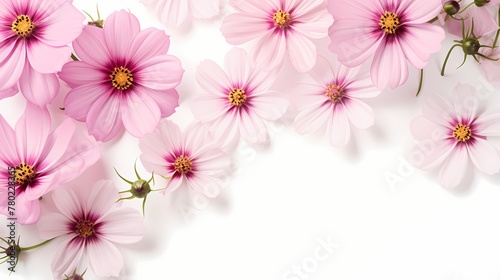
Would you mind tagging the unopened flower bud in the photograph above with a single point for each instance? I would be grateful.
(471, 46)
(481, 3)
(140, 188)
(451, 7)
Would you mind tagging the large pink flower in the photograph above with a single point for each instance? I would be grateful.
(391, 31)
(124, 77)
(280, 27)
(34, 35)
(189, 159)
(453, 132)
(237, 100)
(172, 13)
(334, 101)
(34, 160)
(90, 223)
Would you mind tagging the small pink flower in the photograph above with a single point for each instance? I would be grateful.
(172, 13)
(190, 158)
(392, 32)
(238, 99)
(453, 132)
(35, 161)
(124, 77)
(334, 101)
(280, 27)
(90, 223)
(34, 38)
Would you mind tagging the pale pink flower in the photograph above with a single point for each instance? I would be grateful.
(391, 32)
(334, 101)
(188, 158)
(452, 132)
(124, 78)
(90, 224)
(34, 38)
(172, 13)
(238, 99)
(484, 21)
(279, 27)
(34, 160)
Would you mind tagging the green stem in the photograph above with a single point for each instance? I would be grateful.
(36, 246)
(466, 8)
(447, 57)
(421, 81)
(498, 30)
(433, 20)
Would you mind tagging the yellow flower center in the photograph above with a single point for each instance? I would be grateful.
(183, 164)
(237, 97)
(122, 78)
(22, 26)
(281, 19)
(389, 22)
(24, 175)
(335, 93)
(85, 228)
(462, 133)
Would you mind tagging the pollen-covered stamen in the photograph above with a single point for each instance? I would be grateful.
(85, 228)
(237, 97)
(389, 22)
(282, 19)
(462, 133)
(121, 78)
(23, 26)
(24, 175)
(335, 93)
(183, 164)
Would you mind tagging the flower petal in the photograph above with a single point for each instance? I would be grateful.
(484, 156)
(204, 8)
(38, 88)
(91, 47)
(79, 101)
(338, 128)
(389, 66)
(32, 130)
(122, 225)
(213, 79)
(79, 73)
(160, 72)
(104, 258)
(148, 43)
(119, 32)
(313, 118)
(12, 67)
(104, 119)
(269, 51)
(239, 28)
(140, 113)
(453, 170)
(67, 256)
(359, 113)
(62, 26)
(301, 51)
(418, 42)
(47, 59)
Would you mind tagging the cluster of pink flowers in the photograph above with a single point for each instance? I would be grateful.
(122, 77)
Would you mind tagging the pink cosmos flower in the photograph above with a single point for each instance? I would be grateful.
(390, 31)
(238, 99)
(279, 26)
(484, 22)
(453, 132)
(334, 101)
(124, 77)
(190, 158)
(90, 223)
(172, 13)
(34, 35)
(34, 160)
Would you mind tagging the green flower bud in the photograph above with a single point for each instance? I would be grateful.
(451, 7)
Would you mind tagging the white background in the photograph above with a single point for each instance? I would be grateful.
(283, 199)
